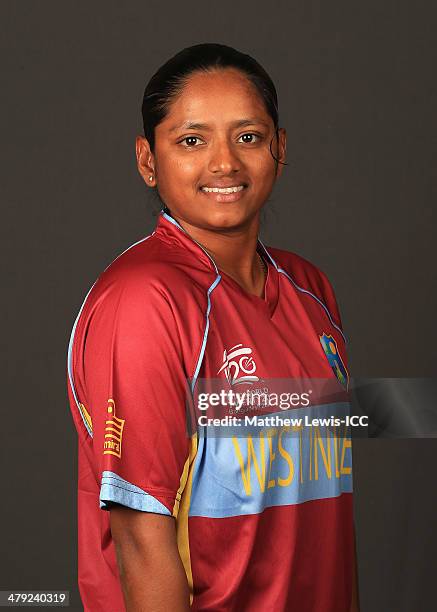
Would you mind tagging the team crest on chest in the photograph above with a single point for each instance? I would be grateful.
(238, 365)
(333, 356)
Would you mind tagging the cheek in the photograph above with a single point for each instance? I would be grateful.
(180, 170)
(263, 168)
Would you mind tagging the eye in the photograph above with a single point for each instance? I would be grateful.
(249, 138)
(190, 141)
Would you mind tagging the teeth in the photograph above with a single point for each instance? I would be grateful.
(223, 190)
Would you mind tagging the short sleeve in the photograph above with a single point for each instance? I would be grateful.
(134, 382)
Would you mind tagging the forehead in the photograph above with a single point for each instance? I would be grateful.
(216, 97)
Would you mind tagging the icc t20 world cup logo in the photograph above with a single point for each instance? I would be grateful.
(238, 366)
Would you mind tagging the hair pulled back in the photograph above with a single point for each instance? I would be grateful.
(169, 80)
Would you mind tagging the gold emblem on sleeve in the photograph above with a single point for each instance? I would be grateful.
(113, 432)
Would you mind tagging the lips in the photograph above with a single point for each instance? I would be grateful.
(224, 186)
(222, 193)
(217, 189)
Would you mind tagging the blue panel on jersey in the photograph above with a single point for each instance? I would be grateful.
(272, 466)
(120, 491)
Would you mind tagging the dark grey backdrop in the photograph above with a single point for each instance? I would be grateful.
(356, 82)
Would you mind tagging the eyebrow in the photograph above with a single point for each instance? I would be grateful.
(194, 125)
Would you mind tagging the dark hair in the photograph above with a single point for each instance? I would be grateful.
(170, 79)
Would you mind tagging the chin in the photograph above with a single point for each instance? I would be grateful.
(222, 220)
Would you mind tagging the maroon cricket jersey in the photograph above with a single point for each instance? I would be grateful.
(264, 522)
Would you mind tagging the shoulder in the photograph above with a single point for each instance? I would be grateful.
(148, 304)
(307, 277)
(148, 275)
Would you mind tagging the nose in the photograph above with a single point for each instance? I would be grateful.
(224, 158)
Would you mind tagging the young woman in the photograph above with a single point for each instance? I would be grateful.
(212, 523)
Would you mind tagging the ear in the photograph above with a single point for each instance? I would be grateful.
(282, 150)
(145, 161)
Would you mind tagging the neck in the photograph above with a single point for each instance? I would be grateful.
(234, 252)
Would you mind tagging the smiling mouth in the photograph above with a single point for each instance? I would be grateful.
(233, 189)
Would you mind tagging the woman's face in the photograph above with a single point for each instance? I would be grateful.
(216, 135)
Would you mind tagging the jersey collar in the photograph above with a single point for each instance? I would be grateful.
(169, 230)
(172, 231)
